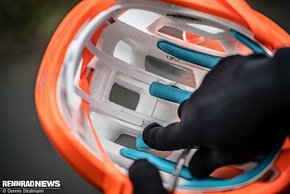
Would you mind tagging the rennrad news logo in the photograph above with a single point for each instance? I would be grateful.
(31, 183)
(29, 186)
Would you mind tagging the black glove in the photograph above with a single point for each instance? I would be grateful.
(240, 112)
(145, 178)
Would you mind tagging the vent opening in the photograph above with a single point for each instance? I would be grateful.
(127, 141)
(171, 31)
(123, 51)
(170, 71)
(124, 97)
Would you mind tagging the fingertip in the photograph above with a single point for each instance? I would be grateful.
(138, 164)
(172, 137)
(149, 127)
(141, 170)
(149, 134)
(145, 178)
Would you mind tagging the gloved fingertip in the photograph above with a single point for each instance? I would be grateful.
(138, 165)
(149, 132)
(145, 178)
(150, 126)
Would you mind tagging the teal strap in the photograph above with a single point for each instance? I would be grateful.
(140, 144)
(168, 92)
(161, 163)
(204, 59)
(168, 166)
(238, 181)
(192, 56)
(248, 42)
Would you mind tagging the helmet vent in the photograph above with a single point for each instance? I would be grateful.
(124, 97)
(170, 71)
(126, 141)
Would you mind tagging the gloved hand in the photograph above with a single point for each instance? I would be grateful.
(240, 112)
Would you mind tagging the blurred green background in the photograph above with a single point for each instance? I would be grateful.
(29, 23)
(26, 27)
